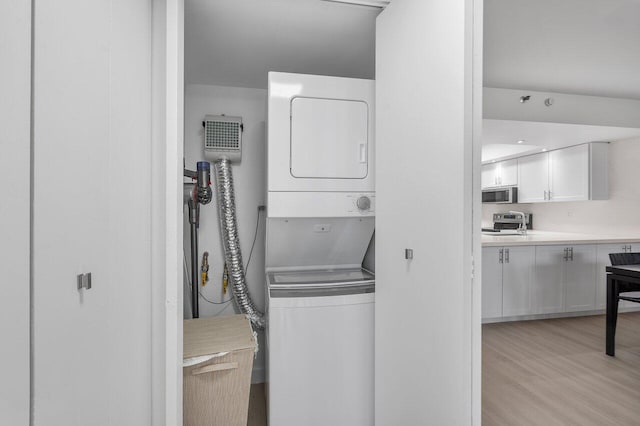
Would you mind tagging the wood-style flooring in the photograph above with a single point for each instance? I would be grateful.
(548, 372)
(257, 406)
(555, 372)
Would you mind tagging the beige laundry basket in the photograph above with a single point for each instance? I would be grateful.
(218, 355)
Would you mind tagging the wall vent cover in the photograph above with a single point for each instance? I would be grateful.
(222, 137)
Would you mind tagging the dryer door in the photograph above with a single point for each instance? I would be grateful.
(329, 138)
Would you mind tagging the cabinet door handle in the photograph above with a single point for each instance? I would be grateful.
(545, 195)
(500, 255)
(506, 255)
(630, 248)
(571, 253)
(566, 254)
(549, 195)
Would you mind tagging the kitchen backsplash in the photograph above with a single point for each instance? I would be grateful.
(619, 214)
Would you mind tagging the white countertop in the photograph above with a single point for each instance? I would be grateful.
(539, 238)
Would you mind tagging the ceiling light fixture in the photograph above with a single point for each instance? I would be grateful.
(369, 3)
(521, 141)
(544, 149)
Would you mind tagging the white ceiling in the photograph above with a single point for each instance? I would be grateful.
(236, 42)
(500, 137)
(587, 47)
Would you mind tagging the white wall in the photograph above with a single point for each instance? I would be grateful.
(250, 190)
(15, 177)
(618, 214)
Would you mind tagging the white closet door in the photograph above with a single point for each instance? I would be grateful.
(423, 314)
(91, 350)
(15, 182)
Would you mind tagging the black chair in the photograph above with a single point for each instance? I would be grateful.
(617, 293)
(626, 259)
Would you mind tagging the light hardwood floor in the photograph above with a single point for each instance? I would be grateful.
(555, 372)
(548, 372)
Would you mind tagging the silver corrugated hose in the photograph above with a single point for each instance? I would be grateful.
(231, 242)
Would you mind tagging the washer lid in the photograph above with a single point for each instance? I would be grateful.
(320, 278)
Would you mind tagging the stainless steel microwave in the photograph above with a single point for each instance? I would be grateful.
(503, 195)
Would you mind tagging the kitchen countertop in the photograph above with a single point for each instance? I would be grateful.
(539, 238)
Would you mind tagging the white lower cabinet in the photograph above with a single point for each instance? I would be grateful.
(602, 261)
(492, 282)
(546, 279)
(506, 281)
(580, 278)
(548, 292)
(565, 278)
(517, 277)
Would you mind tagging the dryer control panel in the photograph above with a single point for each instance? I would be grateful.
(320, 204)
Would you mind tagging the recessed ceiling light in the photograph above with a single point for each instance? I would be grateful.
(521, 141)
(544, 149)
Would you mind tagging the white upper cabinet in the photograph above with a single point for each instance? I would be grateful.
(503, 173)
(569, 174)
(488, 175)
(576, 173)
(508, 172)
(533, 178)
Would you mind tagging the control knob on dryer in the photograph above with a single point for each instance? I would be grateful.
(363, 203)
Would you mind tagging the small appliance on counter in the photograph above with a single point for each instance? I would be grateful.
(509, 222)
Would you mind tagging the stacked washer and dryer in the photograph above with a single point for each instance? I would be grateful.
(320, 222)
